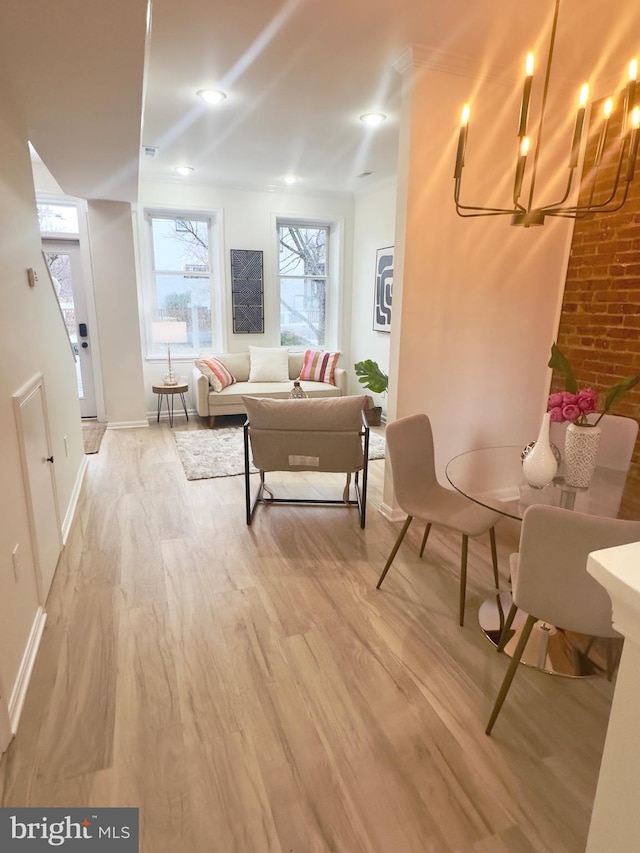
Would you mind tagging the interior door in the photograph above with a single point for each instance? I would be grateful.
(38, 462)
(64, 261)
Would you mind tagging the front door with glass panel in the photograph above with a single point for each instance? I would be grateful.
(63, 259)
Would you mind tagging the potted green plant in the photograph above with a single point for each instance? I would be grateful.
(371, 377)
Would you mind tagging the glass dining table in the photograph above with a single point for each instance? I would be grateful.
(492, 477)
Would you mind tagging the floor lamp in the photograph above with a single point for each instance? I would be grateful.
(169, 332)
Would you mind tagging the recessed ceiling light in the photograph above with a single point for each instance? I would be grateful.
(373, 119)
(184, 170)
(211, 96)
(290, 179)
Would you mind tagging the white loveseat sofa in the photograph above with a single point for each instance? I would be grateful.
(210, 403)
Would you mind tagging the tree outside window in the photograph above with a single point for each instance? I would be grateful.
(303, 283)
(182, 275)
(57, 217)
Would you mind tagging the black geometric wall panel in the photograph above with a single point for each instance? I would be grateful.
(383, 294)
(247, 291)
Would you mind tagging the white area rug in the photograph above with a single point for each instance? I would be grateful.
(207, 453)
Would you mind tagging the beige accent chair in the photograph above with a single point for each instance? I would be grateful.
(550, 580)
(328, 435)
(411, 453)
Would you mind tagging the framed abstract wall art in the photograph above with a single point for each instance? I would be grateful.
(247, 291)
(383, 290)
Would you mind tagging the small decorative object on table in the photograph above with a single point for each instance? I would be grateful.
(581, 454)
(540, 465)
(554, 449)
(298, 392)
(573, 405)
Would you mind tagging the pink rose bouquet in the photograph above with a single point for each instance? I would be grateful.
(574, 405)
(564, 406)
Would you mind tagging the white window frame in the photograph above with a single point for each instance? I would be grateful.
(334, 285)
(154, 352)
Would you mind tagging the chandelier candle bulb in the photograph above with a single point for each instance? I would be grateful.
(520, 167)
(577, 133)
(526, 97)
(462, 141)
(630, 95)
(607, 110)
(633, 144)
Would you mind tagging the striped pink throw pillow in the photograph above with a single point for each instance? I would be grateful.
(219, 376)
(319, 366)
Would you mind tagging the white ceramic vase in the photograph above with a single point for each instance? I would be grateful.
(580, 454)
(540, 465)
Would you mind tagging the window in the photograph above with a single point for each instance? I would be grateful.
(304, 284)
(181, 276)
(56, 217)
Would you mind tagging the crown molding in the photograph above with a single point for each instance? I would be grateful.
(419, 57)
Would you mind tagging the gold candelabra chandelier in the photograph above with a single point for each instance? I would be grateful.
(615, 195)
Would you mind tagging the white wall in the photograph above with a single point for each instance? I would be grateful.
(113, 258)
(476, 301)
(33, 339)
(248, 222)
(374, 228)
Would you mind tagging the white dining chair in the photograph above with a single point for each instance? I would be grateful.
(418, 493)
(550, 581)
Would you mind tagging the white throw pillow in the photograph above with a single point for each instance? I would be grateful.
(269, 364)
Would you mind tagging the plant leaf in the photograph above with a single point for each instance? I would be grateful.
(560, 363)
(370, 375)
(617, 391)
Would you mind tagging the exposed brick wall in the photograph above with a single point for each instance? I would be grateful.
(600, 323)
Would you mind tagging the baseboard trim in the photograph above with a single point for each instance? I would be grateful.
(392, 513)
(127, 424)
(152, 417)
(75, 496)
(19, 692)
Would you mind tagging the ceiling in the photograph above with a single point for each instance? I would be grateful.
(95, 88)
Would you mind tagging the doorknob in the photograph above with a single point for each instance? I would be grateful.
(84, 345)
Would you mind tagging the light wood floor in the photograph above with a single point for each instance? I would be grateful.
(250, 690)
